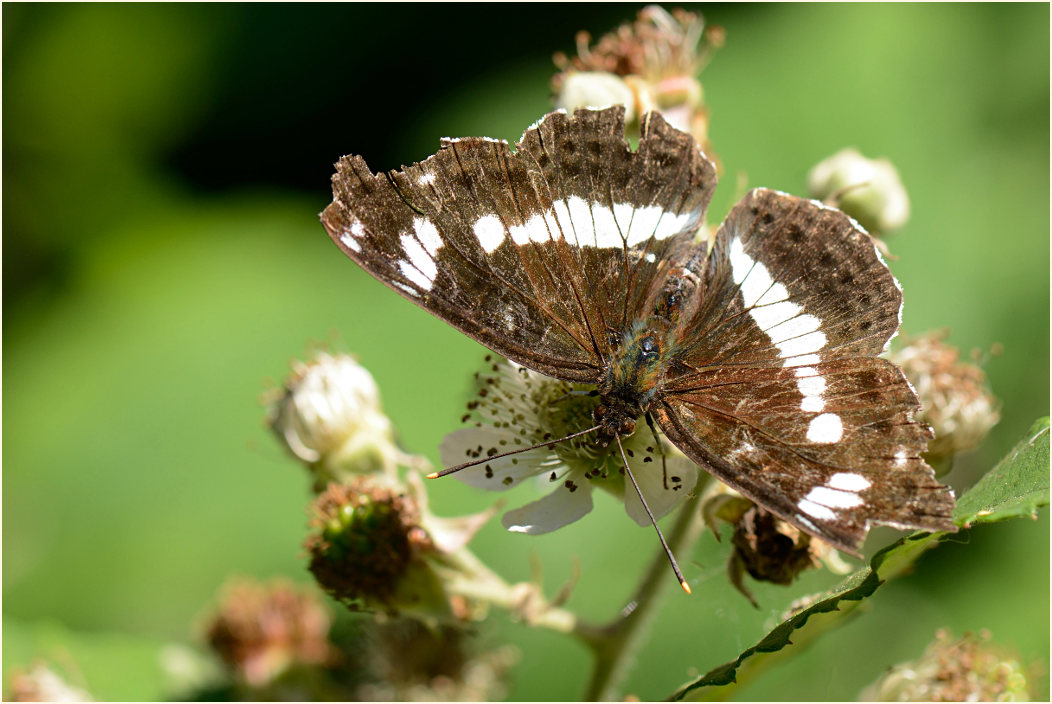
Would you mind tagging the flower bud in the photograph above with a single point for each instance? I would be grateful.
(261, 630)
(658, 56)
(330, 417)
(964, 670)
(868, 190)
(955, 397)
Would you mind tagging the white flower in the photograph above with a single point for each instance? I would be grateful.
(329, 416)
(868, 190)
(516, 407)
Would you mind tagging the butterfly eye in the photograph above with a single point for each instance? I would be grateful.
(648, 348)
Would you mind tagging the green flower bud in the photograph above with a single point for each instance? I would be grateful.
(868, 190)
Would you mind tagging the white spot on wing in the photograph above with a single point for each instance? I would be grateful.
(805, 344)
(776, 294)
(818, 511)
(848, 481)
(534, 230)
(408, 289)
(354, 232)
(811, 385)
(825, 429)
(489, 231)
(420, 268)
(563, 221)
(581, 221)
(812, 404)
(428, 235)
(794, 327)
(644, 224)
(803, 359)
(607, 233)
(350, 242)
(833, 498)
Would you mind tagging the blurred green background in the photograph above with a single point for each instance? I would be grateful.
(163, 167)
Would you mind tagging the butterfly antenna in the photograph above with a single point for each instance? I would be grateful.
(671, 557)
(483, 460)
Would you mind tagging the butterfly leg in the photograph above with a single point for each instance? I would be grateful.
(660, 448)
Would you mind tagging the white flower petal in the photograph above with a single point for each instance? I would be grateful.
(661, 496)
(498, 475)
(557, 509)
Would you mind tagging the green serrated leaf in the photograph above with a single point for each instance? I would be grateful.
(1016, 487)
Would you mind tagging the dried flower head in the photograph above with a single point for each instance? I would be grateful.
(657, 45)
(649, 64)
(765, 546)
(955, 397)
(968, 669)
(329, 416)
(409, 661)
(515, 407)
(261, 629)
(868, 190)
(40, 683)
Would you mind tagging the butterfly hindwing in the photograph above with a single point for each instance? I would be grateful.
(778, 391)
(539, 254)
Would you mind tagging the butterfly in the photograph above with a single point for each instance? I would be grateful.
(577, 257)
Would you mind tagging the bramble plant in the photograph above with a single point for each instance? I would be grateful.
(376, 547)
(403, 601)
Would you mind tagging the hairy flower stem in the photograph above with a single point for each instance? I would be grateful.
(616, 643)
(524, 600)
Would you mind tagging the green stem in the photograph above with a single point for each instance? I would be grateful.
(616, 644)
(472, 579)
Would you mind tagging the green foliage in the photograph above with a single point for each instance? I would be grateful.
(1016, 487)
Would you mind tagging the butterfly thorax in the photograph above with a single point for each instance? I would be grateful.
(633, 376)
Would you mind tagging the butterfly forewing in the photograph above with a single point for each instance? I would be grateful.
(539, 254)
(777, 389)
